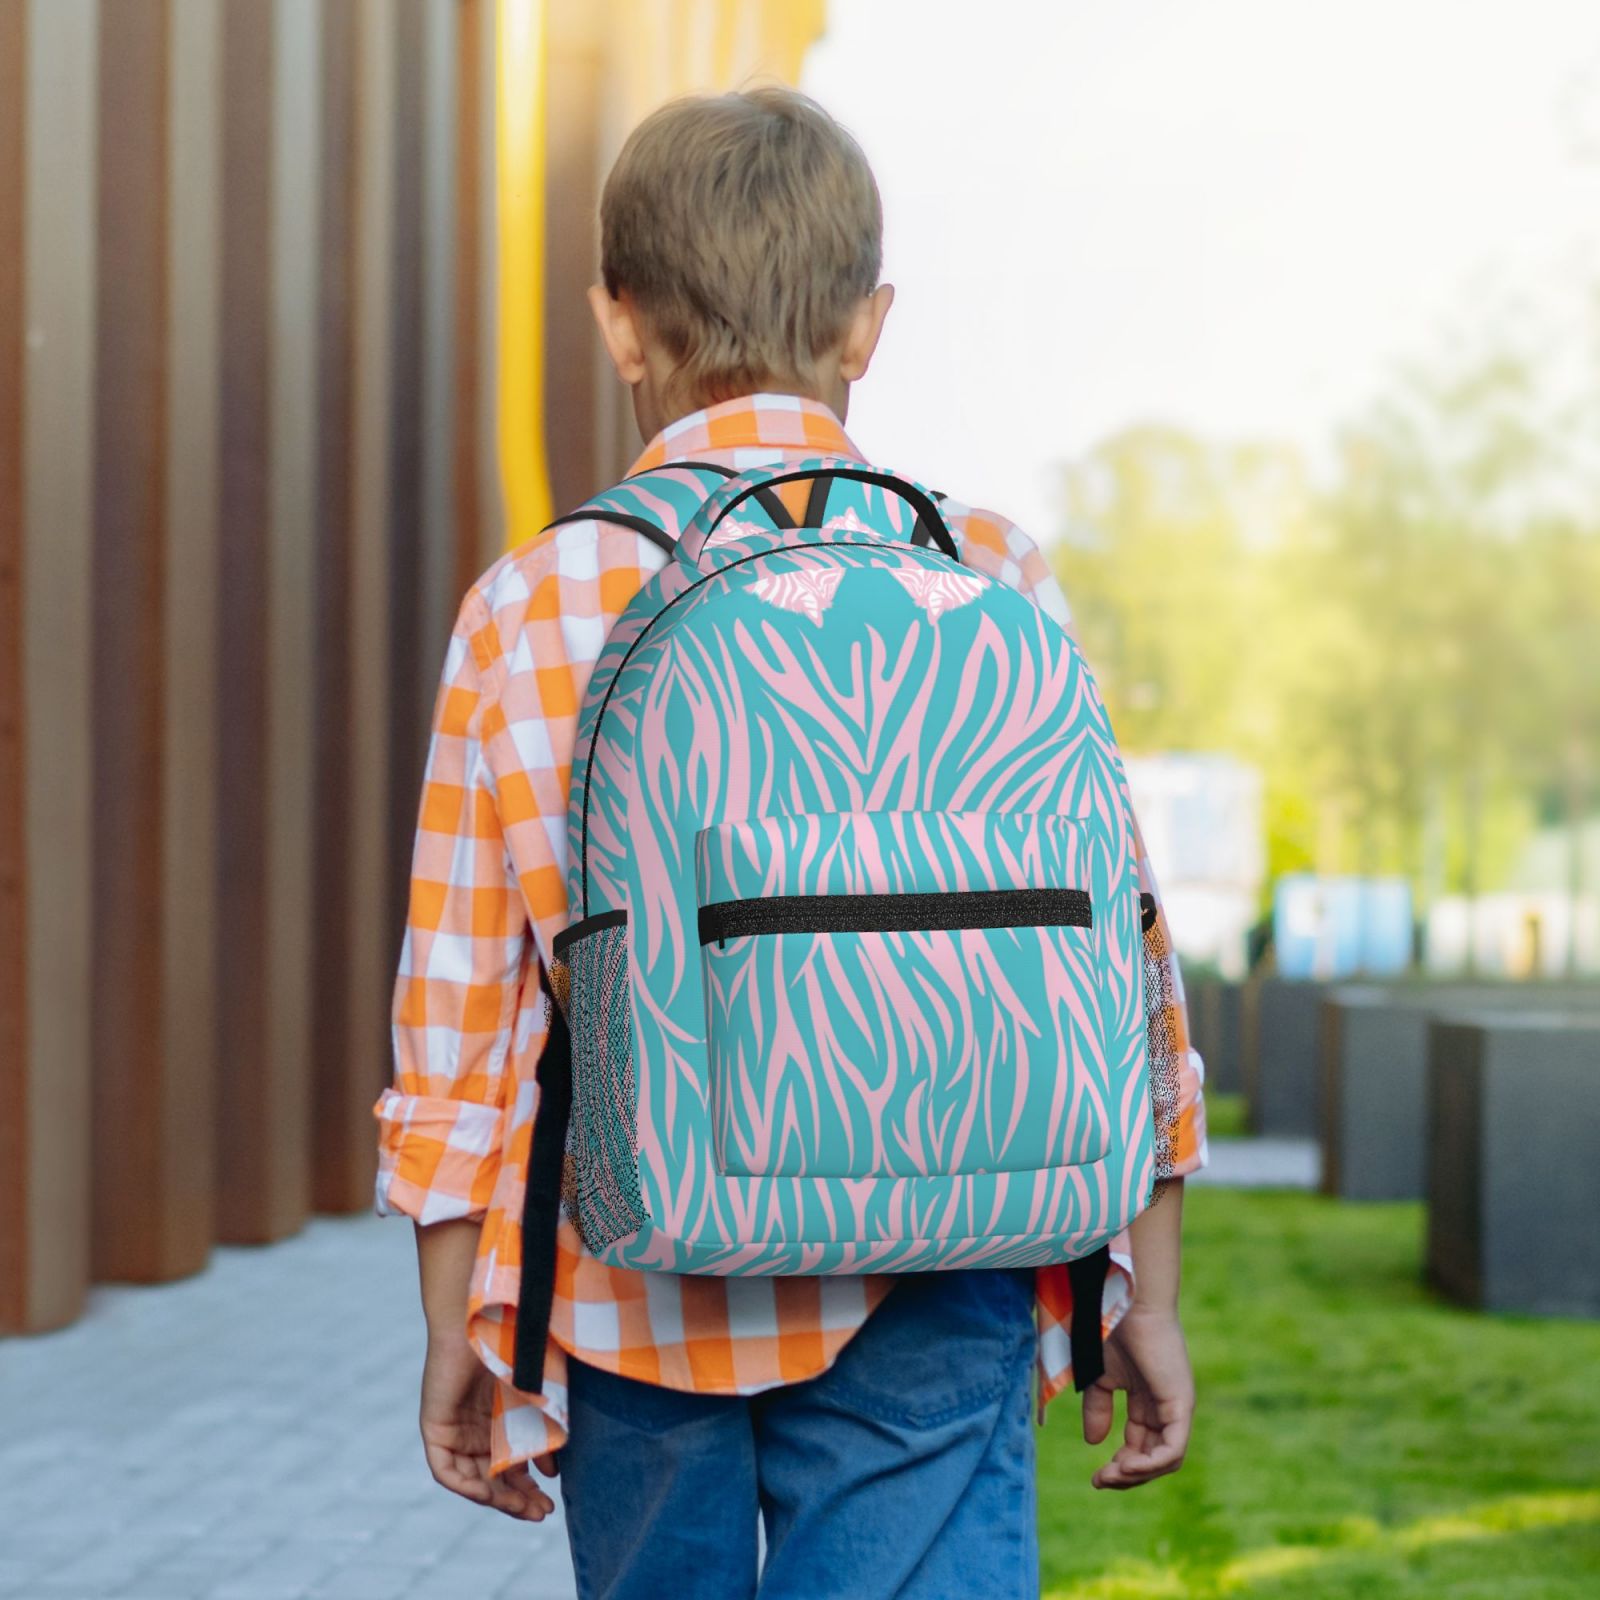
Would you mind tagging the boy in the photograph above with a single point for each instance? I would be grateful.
(878, 1428)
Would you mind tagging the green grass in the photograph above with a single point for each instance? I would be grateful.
(1355, 1437)
(1225, 1116)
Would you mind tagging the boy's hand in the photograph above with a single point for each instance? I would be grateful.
(457, 1396)
(1146, 1356)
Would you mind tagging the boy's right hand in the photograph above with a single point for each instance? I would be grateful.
(457, 1404)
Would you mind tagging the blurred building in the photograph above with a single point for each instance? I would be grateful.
(1201, 816)
(291, 346)
(1341, 927)
(1515, 934)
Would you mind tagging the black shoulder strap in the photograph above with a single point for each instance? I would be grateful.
(930, 527)
(658, 536)
(541, 1201)
(642, 526)
(817, 503)
(768, 501)
(1087, 1275)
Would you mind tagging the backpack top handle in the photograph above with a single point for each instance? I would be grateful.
(930, 529)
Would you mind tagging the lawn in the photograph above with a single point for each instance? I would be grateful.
(1355, 1436)
(1225, 1116)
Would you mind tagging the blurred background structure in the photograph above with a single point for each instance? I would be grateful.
(277, 381)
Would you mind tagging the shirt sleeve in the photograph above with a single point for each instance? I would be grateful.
(1177, 1073)
(455, 999)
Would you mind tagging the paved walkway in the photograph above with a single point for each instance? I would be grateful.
(1263, 1164)
(247, 1434)
(250, 1434)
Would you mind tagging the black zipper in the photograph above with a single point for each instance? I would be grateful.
(895, 913)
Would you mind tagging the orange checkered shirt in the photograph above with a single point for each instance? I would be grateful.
(488, 895)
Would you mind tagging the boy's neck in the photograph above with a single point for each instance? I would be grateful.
(653, 419)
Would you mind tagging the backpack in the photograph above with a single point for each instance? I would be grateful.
(853, 980)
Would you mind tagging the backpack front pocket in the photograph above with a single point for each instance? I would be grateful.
(901, 994)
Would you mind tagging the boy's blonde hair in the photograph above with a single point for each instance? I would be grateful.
(746, 227)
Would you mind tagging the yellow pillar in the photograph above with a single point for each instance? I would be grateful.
(651, 50)
(519, 227)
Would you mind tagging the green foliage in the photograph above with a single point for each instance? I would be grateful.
(1354, 1437)
(1410, 651)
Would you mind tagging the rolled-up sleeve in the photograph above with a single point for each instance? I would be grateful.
(454, 1009)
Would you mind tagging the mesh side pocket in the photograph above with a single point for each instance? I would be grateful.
(601, 1176)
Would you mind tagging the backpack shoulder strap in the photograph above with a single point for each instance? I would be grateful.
(646, 529)
(635, 518)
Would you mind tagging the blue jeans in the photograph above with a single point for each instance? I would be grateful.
(906, 1469)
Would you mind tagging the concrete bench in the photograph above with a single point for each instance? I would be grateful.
(1282, 1019)
(1513, 1183)
(1374, 1075)
(1216, 1011)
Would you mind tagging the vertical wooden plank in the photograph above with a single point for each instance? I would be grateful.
(188, 975)
(291, 912)
(256, 1146)
(372, 952)
(52, 1227)
(343, 1156)
(572, 389)
(478, 117)
(475, 463)
(409, 688)
(439, 599)
(13, 888)
(467, 297)
(130, 398)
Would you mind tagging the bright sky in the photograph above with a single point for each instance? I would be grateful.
(1229, 214)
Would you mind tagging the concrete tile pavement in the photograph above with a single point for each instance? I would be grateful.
(250, 1433)
(1263, 1164)
(247, 1434)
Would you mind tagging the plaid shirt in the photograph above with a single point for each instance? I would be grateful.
(487, 898)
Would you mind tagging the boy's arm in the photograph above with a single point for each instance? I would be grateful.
(454, 1003)
(454, 1010)
(1146, 1356)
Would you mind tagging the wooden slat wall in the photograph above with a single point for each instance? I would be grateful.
(132, 937)
(337, 1115)
(180, 1225)
(15, 1060)
(247, 469)
(371, 946)
(288, 744)
(47, 1093)
(581, 392)
(260, 1193)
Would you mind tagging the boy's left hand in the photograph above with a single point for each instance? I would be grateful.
(1145, 1355)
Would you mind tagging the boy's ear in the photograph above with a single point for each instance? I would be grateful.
(619, 332)
(866, 328)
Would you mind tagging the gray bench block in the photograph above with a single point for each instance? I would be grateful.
(1374, 1086)
(1513, 1184)
(1374, 1075)
(1281, 1077)
(1216, 1007)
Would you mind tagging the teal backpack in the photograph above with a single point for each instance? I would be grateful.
(854, 976)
